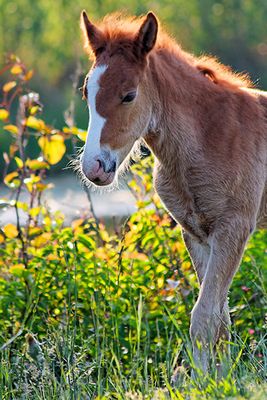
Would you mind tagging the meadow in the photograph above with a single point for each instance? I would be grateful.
(98, 309)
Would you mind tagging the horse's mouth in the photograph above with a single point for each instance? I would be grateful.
(105, 181)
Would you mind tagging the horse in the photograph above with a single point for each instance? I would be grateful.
(207, 129)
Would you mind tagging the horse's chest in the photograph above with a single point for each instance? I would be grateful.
(181, 204)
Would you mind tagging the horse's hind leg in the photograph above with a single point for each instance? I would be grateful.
(227, 246)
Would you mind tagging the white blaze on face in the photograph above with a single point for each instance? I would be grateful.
(96, 122)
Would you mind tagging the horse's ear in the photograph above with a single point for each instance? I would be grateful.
(146, 38)
(93, 36)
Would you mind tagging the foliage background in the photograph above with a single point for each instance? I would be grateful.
(47, 37)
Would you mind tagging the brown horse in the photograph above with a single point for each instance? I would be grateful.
(208, 132)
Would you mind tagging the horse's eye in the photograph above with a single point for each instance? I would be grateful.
(129, 97)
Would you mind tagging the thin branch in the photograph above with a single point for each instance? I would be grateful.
(10, 341)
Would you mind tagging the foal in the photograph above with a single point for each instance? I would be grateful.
(208, 133)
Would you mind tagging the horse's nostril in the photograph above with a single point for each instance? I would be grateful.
(100, 164)
(106, 169)
(113, 166)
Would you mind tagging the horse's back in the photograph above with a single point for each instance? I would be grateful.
(262, 214)
(262, 98)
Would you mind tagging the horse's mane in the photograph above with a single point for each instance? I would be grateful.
(119, 27)
(222, 74)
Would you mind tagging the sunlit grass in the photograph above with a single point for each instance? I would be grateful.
(68, 363)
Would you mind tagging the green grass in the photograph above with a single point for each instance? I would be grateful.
(113, 344)
(62, 367)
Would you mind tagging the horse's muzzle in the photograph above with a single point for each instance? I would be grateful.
(99, 171)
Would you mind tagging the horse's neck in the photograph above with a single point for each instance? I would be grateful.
(173, 129)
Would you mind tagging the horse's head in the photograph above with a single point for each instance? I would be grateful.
(116, 91)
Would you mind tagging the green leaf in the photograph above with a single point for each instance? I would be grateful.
(87, 241)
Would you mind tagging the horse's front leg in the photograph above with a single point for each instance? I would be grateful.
(200, 254)
(227, 246)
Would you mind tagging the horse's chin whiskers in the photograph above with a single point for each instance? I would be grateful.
(79, 150)
(99, 189)
(74, 163)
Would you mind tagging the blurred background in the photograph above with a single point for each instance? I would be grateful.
(46, 36)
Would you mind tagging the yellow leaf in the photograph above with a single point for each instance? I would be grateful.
(75, 131)
(153, 305)
(36, 164)
(34, 110)
(11, 128)
(52, 257)
(134, 255)
(76, 223)
(34, 230)
(17, 269)
(160, 282)
(4, 114)
(10, 177)
(16, 69)
(10, 231)
(59, 295)
(41, 240)
(12, 149)
(82, 135)
(19, 162)
(29, 75)
(20, 204)
(31, 181)
(101, 253)
(53, 148)
(41, 187)
(35, 123)
(2, 239)
(9, 86)
(47, 221)
(34, 211)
